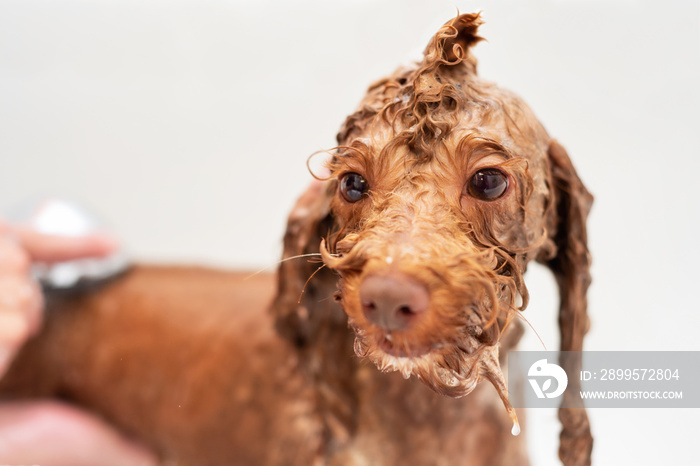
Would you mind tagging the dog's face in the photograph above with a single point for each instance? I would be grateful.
(440, 198)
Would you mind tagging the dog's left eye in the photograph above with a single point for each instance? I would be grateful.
(353, 186)
(487, 184)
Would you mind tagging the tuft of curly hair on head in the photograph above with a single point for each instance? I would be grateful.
(423, 104)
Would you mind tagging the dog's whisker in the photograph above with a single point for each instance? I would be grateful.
(265, 269)
(522, 317)
(307, 282)
(331, 296)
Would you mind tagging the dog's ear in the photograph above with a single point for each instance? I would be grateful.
(309, 222)
(570, 265)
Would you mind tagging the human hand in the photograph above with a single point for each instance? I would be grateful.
(21, 301)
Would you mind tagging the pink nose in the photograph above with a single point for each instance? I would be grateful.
(393, 301)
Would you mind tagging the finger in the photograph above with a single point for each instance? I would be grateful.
(18, 324)
(20, 297)
(13, 259)
(14, 330)
(50, 432)
(55, 248)
(7, 354)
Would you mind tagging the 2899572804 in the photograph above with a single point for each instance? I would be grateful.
(634, 374)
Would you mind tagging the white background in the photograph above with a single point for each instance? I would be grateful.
(186, 124)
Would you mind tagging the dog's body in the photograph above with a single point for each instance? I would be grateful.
(441, 191)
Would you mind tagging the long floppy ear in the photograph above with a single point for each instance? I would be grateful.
(308, 223)
(571, 265)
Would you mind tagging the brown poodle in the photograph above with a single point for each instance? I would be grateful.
(412, 251)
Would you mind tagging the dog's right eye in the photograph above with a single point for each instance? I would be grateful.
(353, 186)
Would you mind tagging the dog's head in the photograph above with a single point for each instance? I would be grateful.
(442, 188)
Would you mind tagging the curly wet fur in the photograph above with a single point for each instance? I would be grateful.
(220, 386)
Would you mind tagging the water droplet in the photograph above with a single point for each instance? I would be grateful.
(516, 428)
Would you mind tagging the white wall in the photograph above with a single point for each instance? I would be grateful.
(187, 124)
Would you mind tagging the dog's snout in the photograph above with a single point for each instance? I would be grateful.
(393, 301)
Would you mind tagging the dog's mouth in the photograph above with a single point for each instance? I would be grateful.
(405, 345)
(393, 344)
(404, 350)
